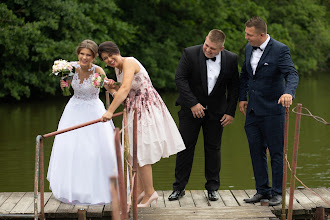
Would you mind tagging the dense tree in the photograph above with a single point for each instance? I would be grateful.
(35, 33)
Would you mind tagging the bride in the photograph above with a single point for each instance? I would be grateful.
(82, 160)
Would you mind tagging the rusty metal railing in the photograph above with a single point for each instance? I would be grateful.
(39, 168)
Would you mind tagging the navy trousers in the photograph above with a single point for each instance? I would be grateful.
(266, 132)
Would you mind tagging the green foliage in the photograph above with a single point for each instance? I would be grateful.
(35, 33)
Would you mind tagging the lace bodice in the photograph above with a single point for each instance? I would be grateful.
(84, 90)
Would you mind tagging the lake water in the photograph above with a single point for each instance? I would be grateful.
(21, 122)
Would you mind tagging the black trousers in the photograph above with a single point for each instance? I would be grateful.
(212, 131)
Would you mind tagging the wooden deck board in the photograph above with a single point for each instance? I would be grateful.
(194, 205)
(315, 198)
(218, 203)
(187, 200)
(170, 204)
(11, 202)
(23, 203)
(4, 196)
(228, 198)
(199, 198)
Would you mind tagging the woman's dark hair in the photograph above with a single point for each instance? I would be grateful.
(108, 47)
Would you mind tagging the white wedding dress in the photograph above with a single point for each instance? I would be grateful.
(83, 160)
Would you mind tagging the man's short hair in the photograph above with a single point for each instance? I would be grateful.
(217, 36)
(259, 24)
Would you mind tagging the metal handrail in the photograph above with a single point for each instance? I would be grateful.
(39, 163)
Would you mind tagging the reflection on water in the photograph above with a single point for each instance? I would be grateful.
(22, 122)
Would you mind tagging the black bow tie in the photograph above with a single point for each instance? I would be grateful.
(255, 48)
(214, 59)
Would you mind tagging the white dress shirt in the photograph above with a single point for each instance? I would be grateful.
(213, 71)
(256, 55)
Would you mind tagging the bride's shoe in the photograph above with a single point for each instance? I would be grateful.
(153, 197)
(140, 197)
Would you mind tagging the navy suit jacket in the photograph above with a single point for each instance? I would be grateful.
(191, 81)
(275, 75)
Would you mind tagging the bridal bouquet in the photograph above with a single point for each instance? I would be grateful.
(65, 70)
(99, 79)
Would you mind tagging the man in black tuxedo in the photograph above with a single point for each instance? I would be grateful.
(208, 82)
(270, 79)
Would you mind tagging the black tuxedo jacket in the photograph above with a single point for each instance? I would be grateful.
(191, 81)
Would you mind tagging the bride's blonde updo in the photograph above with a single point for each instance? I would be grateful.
(89, 44)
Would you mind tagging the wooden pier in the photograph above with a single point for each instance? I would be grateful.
(194, 205)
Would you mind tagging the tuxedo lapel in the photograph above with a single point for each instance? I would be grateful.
(223, 63)
(203, 71)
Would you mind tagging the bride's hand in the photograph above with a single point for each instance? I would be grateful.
(64, 84)
(109, 83)
(107, 116)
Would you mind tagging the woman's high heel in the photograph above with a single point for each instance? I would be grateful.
(153, 197)
(140, 197)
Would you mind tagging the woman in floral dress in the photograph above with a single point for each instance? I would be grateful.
(157, 134)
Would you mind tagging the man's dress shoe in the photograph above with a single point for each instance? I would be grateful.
(176, 194)
(212, 195)
(275, 200)
(256, 198)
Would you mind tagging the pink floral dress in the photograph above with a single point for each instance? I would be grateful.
(158, 135)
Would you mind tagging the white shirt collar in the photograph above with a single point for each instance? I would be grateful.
(264, 45)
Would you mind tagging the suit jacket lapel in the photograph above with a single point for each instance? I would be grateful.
(264, 54)
(248, 60)
(203, 71)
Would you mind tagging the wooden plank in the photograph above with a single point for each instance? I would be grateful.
(4, 196)
(314, 198)
(107, 210)
(51, 207)
(215, 204)
(168, 203)
(187, 200)
(239, 196)
(23, 204)
(199, 198)
(11, 202)
(47, 196)
(298, 209)
(207, 213)
(303, 200)
(325, 194)
(65, 211)
(95, 211)
(228, 198)
(160, 201)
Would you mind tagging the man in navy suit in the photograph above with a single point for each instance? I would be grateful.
(208, 83)
(270, 79)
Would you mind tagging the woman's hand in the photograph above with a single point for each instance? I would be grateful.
(110, 84)
(64, 84)
(107, 116)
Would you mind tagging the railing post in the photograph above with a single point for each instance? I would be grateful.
(42, 181)
(135, 164)
(36, 176)
(81, 214)
(123, 202)
(285, 152)
(107, 99)
(115, 202)
(294, 159)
